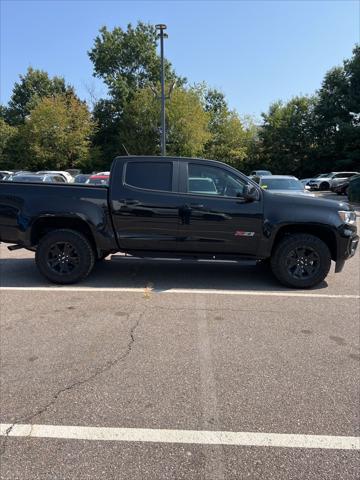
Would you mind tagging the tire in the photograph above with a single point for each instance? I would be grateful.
(64, 256)
(301, 261)
(324, 186)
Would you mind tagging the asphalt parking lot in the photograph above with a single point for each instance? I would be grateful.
(206, 371)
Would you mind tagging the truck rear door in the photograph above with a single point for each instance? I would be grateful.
(144, 203)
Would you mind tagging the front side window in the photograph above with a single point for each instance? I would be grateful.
(149, 175)
(208, 180)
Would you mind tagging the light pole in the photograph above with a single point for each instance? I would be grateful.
(162, 35)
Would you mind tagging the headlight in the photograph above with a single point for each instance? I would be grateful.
(347, 216)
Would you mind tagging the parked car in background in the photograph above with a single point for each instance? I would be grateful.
(37, 178)
(325, 181)
(11, 177)
(284, 184)
(68, 177)
(259, 173)
(305, 182)
(98, 180)
(339, 181)
(341, 188)
(256, 174)
(354, 189)
(81, 178)
(4, 174)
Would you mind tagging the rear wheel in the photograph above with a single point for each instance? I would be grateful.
(64, 256)
(301, 261)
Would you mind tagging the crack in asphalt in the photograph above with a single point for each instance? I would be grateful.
(99, 371)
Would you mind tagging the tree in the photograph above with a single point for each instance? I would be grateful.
(127, 60)
(229, 140)
(187, 123)
(7, 133)
(287, 136)
(338, 116)
(33, 86)
(57, 134)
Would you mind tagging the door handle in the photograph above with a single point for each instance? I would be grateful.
(196, 205)
(130, 202)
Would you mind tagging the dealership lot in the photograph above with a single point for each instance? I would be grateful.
(169, 354)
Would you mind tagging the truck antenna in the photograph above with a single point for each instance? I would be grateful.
(127, 153)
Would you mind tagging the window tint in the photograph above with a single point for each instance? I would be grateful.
(149, 175)
(207, 180)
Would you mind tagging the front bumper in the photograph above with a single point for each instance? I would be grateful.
(346, 249)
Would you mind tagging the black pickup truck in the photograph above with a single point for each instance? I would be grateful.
(176, 207)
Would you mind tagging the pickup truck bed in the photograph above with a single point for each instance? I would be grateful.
(180, 207)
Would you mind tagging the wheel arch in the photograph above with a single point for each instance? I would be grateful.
(321, 231)
(46, 224)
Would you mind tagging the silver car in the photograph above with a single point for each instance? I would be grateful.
(284, 184)
(326, 180)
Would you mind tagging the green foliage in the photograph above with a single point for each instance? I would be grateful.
(187, 124)
(287, 135)
(127, 60)
(338, 116)
(57, 134)
(229, 140)
(33, 86)
(7, 134)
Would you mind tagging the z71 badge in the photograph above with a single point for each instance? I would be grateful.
(242, 233)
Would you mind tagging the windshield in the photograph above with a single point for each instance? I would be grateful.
(281, 184)
(323, 175)
(23, 178)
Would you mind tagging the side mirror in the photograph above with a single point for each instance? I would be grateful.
(250, 193)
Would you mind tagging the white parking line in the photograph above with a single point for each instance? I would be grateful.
(263, 293)
(202, 437)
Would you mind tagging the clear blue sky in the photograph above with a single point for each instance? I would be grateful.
(255, 52)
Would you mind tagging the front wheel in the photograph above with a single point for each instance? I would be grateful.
(64, 256)
(301, 261)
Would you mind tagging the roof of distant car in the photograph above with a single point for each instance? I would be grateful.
(274, 177)
(105, 177)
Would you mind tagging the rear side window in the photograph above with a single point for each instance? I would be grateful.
(149, 175)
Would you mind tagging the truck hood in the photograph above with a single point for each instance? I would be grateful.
(307, 201)
(293, 193)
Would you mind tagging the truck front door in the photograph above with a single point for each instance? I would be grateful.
(214, 216)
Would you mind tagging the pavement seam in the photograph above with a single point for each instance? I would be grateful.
(99, 371)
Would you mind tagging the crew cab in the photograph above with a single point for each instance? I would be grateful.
(176, 207)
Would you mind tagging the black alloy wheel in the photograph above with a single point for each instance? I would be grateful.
(65, 256)
(302, 262)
